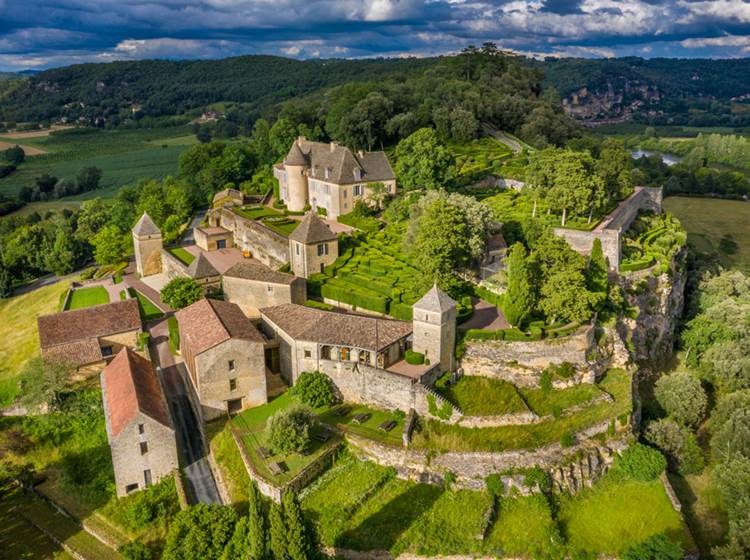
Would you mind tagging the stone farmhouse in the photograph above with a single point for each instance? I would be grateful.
(251, 285)
(330, 176)
(88, 338)
(224, 355)
(139, 429)
(364, 355)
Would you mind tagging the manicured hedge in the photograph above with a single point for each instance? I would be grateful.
(365, 223)
(414, 358)
(516, 335)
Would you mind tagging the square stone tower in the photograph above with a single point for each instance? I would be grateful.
(147, 242)
(312, 246)
(434, 324)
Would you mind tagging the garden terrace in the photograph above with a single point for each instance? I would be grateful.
(652, 239)
(182, 255)
(87, 297)
(372, 273)
(443, 437)
(362, 506)
(272, 219)
(478, 159)
(484, 396)
(250, 426)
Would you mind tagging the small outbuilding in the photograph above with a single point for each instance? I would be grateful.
(252, 285)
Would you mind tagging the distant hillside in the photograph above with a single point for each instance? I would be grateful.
(155, 88)
(699, 92)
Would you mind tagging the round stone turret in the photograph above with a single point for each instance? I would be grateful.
(296, 166)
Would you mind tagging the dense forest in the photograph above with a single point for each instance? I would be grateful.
(678, 91)
(696, 92)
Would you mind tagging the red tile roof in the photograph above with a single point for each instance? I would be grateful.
(131, 386)
(90, 322)
(209, 322)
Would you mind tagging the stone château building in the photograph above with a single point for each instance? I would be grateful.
(312, 246)
(330, 176)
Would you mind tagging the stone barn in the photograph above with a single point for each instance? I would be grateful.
(139, 428)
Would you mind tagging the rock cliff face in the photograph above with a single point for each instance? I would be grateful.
(659, 300)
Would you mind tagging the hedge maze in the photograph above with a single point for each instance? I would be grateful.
(651, 239)
(372, 273)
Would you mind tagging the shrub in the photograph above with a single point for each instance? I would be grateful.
(683, 397)
(677, 443)
(174, 334)
(414, 358)
(537, 476)
(155, 502)
(288, 430)
(494, 484)
(201, 531)
(567, 440)
(314, 389)
(135, 550)
(656, 547)
(641, 462)
(181, 292)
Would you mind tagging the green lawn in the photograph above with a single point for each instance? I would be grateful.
(251, 424)
(123, 155)
(715, 227)
(182, 254)
(544, 402)
(524, 527)
(270, 218)
(482, 396)
(615, 513)
(19, 537)
(18, 331)
(87, 297)
(445, 437)
(145, 306)
(369, 428)
(229, 460)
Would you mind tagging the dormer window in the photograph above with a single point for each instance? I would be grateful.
(357, 174)
(327, 172)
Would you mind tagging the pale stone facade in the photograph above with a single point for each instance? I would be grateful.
(213, 238)
(312, 246)
(252, 237)
(148, 243)
(330, 177)
(254, 286)
(231, 374)
(434, 320)
(224, 355)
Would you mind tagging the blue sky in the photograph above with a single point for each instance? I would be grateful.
(47, 33)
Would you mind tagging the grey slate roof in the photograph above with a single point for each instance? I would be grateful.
(295, 156)
(340, 329)
(254, 270)
(340, 162)
(312, 230)
(146, 226)
(435, 300)
(201, 268)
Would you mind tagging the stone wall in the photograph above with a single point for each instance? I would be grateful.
(570, 468)
(171, 266)
(522, 363)
(252, 295)
(611, 229)
(269, 247)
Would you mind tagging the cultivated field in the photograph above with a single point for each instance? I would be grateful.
(714, 226)
(28, 150)
(123, 155)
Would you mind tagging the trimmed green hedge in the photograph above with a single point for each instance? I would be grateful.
(516, 335)
(414, 358)
(365, 223)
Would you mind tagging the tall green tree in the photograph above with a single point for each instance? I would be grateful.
(239, 545)
(256, 523)
(440, 243)
(43, 381)
(298, 545)
(200, 531)
(277, 535)
(181, 292)
(61, 258)
(519, 297)
(423, 161)
(597, 272)
(111, 245)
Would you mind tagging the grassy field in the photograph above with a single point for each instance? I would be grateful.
(145, 306)
(714, 226)
(615, 513)
(362, 506)
(229, 460)
(270, 218)
(123, 155)
(18, 331)
(87, 297)
(439, 436)
(482, 396)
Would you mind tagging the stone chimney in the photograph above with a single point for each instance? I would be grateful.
(360, 153)
(333, 146)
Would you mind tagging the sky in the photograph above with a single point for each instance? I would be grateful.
(37, 34)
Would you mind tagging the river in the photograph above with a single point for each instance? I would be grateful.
(669, 159)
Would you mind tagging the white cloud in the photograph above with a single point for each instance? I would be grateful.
(723, 10)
